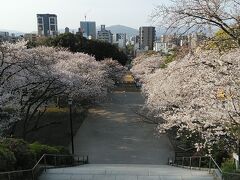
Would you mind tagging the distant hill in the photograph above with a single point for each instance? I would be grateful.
(131, 31)
(122, 29)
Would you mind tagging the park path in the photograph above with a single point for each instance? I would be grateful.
(112, 134)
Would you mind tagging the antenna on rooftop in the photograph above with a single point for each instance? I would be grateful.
(86, 13)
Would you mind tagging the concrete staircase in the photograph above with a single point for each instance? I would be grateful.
(124, 172)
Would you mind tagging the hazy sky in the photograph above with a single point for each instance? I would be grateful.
(21, 14)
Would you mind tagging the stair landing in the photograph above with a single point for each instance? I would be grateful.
(124, 172)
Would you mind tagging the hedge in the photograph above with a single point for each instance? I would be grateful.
(16, 154)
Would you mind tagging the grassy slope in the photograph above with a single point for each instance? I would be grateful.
(57, 134)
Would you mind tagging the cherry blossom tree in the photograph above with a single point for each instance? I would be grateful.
(84, 76)
(144, 65)
(114, 69)
(38, 84)
(32, 78)
(199, 94)
(11, 63)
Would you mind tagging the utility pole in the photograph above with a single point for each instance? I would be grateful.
(71, 123)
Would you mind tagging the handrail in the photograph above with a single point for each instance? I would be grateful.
(17, 171)
(210, 160)
(38, 162)
(182, 148)
(34, 167)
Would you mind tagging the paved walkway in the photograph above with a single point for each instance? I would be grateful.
(125, 172)
(111, 134)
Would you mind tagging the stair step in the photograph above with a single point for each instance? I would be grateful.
(123, 177)
(125, 172)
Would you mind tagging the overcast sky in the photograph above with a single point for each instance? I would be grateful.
(21, 14)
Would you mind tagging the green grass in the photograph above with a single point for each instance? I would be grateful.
(162, 66)
(168, 59)
(229, 166)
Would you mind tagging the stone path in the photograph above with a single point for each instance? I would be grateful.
(111, 134)
(121, 148)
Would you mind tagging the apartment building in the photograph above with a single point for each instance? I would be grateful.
(47, 24)
(105, 35)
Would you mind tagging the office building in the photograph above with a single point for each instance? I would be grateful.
(105, 35)
(147, 36)
(47, 24)
(88, 29)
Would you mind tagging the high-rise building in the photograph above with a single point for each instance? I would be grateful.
(88, 29)
(147, 37)
(105, 35)
(47, 24)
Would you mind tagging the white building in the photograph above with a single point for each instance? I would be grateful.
(30, 37)
(120, 39)
(163, 47)
(105, 35)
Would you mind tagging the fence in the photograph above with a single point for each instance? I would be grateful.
(45, 162)
(206, 163)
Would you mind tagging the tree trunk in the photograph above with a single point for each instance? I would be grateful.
(238, 153)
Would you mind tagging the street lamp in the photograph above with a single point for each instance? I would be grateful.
(71, 123)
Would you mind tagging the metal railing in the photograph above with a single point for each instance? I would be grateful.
(206, 163)
(184, 149)
(47, 161)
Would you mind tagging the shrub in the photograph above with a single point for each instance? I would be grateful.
(17, 154)
(169, 58)
(25, 159)
(7, 159)
(62, 150)
(229, 166)
(40, 149)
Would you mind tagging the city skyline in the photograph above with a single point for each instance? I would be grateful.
(71, 12)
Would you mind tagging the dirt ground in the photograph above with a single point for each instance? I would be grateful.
(59, 133)
(113, 134)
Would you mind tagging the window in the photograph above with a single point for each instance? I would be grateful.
(52, 28)
(52, 20)
(40, 20)
(40, 27)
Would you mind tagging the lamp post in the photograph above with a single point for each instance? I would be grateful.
(71, 124)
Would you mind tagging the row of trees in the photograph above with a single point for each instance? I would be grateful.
(198, 95)
(77, 43)
(30, 80)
